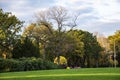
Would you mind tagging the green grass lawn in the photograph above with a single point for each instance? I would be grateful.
(65, 74)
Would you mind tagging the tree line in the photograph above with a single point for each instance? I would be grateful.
(53, 35)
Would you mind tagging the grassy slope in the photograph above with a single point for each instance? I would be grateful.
(72, 74)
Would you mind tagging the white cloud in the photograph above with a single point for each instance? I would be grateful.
(93, 13)
(105, 9)
(104, 16)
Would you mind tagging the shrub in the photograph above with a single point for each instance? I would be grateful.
(5, 65)
(26, 64)
(50, 65)
(17, 65)
(63, 60)
(68, 68)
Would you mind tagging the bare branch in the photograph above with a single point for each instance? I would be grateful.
(74, 21)
(42, 16)
(60, 18)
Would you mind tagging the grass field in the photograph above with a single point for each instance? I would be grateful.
(64, 74)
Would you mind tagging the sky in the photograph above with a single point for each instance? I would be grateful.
(101, 16)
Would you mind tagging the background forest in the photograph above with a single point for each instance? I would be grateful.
(52, 41)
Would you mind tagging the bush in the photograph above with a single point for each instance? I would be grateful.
(11, 65)
(6, 65)
(63, 60)
(50, 65)
(3, 66)
(26, 64)
(17, 65)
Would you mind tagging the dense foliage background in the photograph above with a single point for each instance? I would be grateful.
(51, 36)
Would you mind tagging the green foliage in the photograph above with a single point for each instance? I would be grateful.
(76, 52)
(9, 27)
(92, 48)
(10, 65)
(85, 52)
(39, 33)
(40, 40)
(25, 64)
(25, 48)
(4, 65)
(115, 41)
(17, 65)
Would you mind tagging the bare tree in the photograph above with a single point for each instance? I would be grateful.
(60, 16)
(62, 21)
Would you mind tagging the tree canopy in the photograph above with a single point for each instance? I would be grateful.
(10, 26)
(115, 45)
(53, 35)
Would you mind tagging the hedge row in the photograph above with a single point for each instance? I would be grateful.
(26, 64)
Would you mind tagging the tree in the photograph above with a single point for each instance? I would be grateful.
(40, 32)
(91, 47)
(10, 26)
(85, 51)
(115, 45)
(60, 17)
(105, 54)
(25, 48)
(76, 52)
(60, 45)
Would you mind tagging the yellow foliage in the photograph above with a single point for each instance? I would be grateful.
(2, 34)
(4, 55)
(68, 68)
(63, 60)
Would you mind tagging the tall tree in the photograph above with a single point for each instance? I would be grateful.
(40, 32)
(91, 47)
(115, 45)
(85, 51)
(104, 56)
(60, 17)
(76, 52)
(10, 26)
